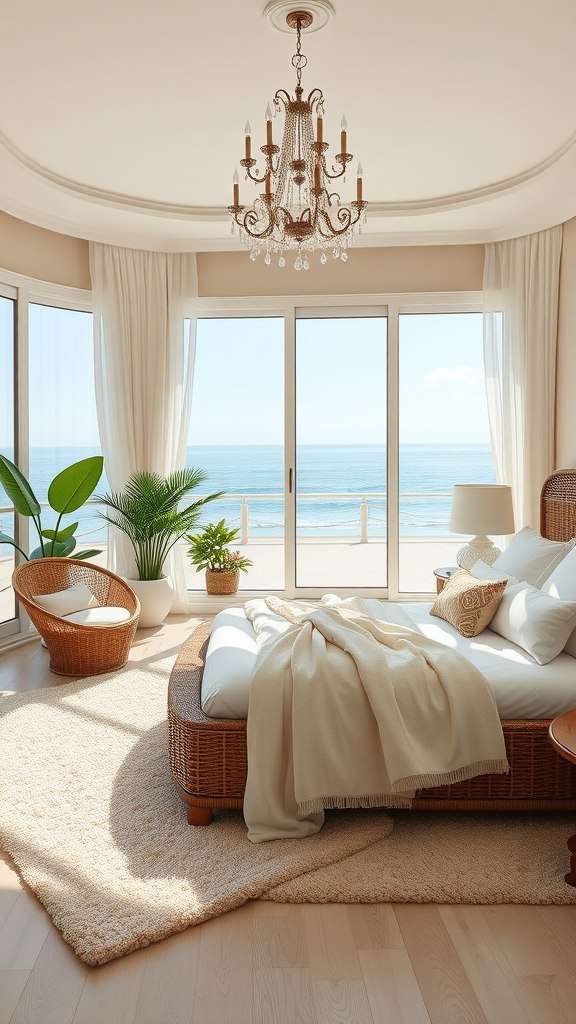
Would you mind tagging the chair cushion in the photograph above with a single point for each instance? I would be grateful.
(64, 602)
(99, 616)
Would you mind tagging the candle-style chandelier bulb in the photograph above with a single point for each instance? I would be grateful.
(298, 208)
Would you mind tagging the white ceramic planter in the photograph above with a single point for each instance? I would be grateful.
(155, 598)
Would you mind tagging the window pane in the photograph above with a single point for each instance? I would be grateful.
(63, 424)
(341, 452)
(7, 603)
(444, 436)
(237, 437)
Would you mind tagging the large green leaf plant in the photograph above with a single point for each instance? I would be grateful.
(67, 492)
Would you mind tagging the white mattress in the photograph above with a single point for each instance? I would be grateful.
(522, 688)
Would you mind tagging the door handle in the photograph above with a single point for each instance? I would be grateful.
(290, 475)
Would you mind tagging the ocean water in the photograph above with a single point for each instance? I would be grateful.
(334, 470)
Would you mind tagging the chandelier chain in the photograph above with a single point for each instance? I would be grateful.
(299, 60)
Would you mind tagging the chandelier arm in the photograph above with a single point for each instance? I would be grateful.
(258, 181)
(281, 95)
(346, 218)
(248, 221)
(316, 96)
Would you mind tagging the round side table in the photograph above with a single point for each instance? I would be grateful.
(442, 575)
(562, 734)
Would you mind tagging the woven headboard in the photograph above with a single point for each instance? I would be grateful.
(558, 506)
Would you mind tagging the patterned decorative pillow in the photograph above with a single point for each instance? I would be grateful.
(468, 603)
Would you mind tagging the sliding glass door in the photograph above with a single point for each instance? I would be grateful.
(338, 433)
(340, 472)
(237, 437)
(444, 437)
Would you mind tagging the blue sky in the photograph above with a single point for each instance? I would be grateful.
(238, 388)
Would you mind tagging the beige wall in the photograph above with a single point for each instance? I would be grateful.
(566, 379)
(44, 255)
(442, 268)
(61, 259)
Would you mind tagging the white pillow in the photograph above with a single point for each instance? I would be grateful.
(229, 665)
(535, 621)
(532, 558)
(481, 571)
(73, 599)
(562, 584)
(107, 615)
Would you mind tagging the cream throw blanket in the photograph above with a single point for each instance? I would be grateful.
(349, 710)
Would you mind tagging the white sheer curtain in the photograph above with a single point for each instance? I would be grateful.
(143, 372)
(520, 330)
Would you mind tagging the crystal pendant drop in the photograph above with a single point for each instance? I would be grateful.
(252, 255)
(344, 256)
(335, 253)
(281, 262)
(323, 259)
(305, 265)
(298, 263)
(267, 259)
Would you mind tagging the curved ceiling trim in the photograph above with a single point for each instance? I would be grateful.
(219, 213)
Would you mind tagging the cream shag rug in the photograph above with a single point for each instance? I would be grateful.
(90, 814)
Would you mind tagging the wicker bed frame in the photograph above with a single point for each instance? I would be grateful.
(208, 755)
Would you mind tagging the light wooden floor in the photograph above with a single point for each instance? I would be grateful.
(276, 964)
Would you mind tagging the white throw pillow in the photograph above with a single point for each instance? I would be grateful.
(535, 621)
(531, 558)
(99, 616)
(482, 571)
(229, 665)
(562, 585)
(73, 599)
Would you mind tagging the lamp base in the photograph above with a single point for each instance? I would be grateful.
(478, 548)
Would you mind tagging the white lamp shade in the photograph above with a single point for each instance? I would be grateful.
(482, 509)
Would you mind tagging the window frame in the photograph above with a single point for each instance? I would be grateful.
(45, 293)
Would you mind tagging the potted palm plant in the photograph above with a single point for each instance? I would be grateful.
(147, 511)
(210, 550)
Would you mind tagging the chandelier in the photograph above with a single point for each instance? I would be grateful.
(298, 209)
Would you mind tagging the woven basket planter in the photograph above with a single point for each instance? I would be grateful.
(222, 582)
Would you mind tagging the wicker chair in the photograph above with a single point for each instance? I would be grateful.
(77, 650)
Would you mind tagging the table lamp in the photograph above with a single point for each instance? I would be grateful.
(481, 509)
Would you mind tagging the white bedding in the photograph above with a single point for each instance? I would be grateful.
(522, 688)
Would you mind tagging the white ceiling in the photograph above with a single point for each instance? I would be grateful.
(122, 120)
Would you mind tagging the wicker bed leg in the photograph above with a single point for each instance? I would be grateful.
(571, 877)
(199, 815)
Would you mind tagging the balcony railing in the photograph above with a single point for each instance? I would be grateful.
(367, 512)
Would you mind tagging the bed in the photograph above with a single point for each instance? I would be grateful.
(208, 755)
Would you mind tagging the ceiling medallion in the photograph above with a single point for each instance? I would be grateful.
(297, 209)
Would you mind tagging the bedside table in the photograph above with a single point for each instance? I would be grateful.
(442, 575)
(562, 733)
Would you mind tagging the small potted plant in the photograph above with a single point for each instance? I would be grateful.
(148, 511)
(209, 550)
